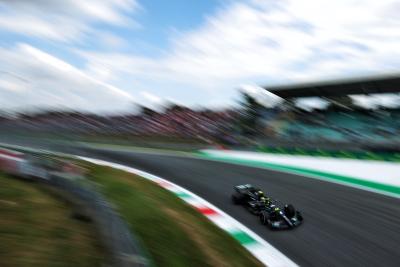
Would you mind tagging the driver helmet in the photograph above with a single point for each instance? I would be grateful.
(260, 193)
(275, 208)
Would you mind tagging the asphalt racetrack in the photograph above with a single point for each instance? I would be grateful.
(343, 226)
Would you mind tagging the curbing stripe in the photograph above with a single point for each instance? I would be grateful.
(207, 211)
(182, 195)
(258, 247)
(224, 223)
(12, 154)
(19, 159)
(243, 238)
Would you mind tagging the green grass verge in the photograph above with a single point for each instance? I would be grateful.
(173, 233)
(161, 142)
(138, 148)
(36, 229)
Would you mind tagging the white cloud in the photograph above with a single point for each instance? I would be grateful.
(66, 21)
(259, 41)
(294, 39)
(269, 42)
(46, 81)
(111, 41)
(153, 99)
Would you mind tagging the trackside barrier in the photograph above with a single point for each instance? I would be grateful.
(11, 161)
(124, 250)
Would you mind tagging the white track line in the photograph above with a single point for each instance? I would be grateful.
(261, 249)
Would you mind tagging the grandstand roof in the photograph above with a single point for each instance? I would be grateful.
(354, 86)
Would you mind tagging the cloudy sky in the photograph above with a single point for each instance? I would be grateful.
(106, 55)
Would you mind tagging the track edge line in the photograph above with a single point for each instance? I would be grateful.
(260, 249)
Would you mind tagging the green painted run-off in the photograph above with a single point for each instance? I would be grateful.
(308, 172)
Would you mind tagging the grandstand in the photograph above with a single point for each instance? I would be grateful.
(355, 86)
(342, 122)
(341, 125)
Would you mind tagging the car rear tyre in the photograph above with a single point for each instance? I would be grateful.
(237, 199)
(289, 211)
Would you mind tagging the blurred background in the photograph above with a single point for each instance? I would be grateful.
(215, 72)
(113, 78)
(325, 118)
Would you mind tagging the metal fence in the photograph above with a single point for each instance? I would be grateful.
(115, 234)
(124, 250)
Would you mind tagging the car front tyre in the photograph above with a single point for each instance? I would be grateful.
(264, 218)
(290, 210)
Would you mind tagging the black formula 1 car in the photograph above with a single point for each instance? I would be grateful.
(271, 212)
(250, 197)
